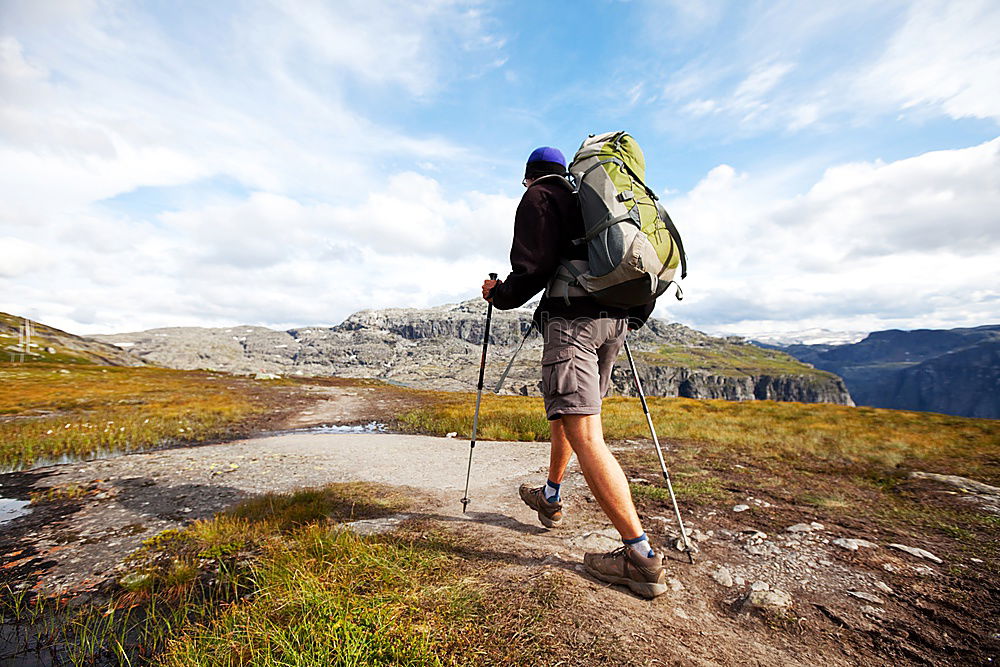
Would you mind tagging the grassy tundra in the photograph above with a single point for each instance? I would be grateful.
(277, 580)
(48, 411)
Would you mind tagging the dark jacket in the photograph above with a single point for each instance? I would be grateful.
(547, 221)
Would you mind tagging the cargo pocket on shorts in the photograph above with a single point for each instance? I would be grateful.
(558, 372)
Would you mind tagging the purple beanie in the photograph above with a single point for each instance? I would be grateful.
(545, 160)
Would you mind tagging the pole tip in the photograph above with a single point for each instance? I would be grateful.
(465, 504)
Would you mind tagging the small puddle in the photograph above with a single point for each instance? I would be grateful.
(11, 508)
(370, 427)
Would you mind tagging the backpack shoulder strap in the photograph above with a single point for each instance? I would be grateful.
(550, 178)
(672, 228)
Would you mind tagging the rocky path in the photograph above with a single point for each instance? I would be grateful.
(811, 594)
(143, 494)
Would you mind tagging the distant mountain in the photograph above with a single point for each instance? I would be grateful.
(48, 344)
(439, 348)
(953, 371)
(808, 337)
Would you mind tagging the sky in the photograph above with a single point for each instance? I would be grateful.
(829, 165)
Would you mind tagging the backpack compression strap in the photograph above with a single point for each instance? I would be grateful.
(564, 283)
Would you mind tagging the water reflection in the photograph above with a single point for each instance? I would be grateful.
(11, 508)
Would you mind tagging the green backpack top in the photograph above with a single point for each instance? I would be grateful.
(633, 247)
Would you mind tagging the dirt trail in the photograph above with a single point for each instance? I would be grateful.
(698, 622)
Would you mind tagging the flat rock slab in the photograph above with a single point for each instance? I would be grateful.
(154, 491)
(917, 551)
(853, 544)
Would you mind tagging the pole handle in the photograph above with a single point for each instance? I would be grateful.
(493, 276)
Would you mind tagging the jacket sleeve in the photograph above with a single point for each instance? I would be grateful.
(534, 254)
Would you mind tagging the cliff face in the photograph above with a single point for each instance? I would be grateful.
(805, 387)
(439, 348)
(954, 371)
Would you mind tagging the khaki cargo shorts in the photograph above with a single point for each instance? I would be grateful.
(576, 363)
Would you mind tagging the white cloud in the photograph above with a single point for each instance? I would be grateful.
(928, 56)
(264, 259)
(913, 241)
(21, 258)
(100, 104)
(387, 43)
(946, 54)
(103, 100)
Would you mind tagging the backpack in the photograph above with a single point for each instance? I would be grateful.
(633, 247)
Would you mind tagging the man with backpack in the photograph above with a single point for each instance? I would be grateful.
(582, 338)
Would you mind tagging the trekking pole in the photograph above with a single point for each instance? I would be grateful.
(659, 454)
(503, 376)
(479, 397)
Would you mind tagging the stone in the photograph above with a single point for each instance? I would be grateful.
(451, 434)
(962, 483)
(800, 528)
(767, 600)
(675, 585)
(754, 534)
(739, 581)
(917, 551)
(882, 586)
(597, 541)
(760, 586)
(723, 577)
(741, 508)
(679, 545)
(853, 544)
(816, 525)
(134, 581)
(376, 526)
(763, 549)
(867, 597)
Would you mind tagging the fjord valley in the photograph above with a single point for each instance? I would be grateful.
(953, 371)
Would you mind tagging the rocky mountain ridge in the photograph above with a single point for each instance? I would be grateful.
(440, 347)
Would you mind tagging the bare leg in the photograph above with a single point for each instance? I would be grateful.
(560, 452)
(604, 475)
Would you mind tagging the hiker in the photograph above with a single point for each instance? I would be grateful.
(582, 340)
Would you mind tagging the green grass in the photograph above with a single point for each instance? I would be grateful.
(731, 359)
(759, 430)
(278, 581)
(52, 494)
(48, 411)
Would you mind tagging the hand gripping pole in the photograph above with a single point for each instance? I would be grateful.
(659, 455)
(479, 398)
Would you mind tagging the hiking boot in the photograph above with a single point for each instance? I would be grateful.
(646, 577)
(549, 513)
